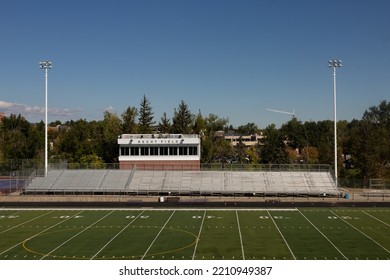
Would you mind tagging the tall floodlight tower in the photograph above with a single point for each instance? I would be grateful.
(46, 65)
(335, 63)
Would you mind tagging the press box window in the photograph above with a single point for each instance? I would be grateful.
(144, 151)
(193, 151)
(134, 151)
(173, 151)
(154, 151)
(183, 151)
(163, 151)
(125, 151)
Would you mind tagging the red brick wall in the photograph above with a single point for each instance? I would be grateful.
(161, 165)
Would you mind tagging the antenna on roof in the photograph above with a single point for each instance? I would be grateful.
(283, 112)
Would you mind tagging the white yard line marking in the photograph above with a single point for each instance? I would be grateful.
(324, 235)
(39, 233)
(158, 234)
(360, 232)
(88, 227)
(112, 239)
(281, 234)
(376, 218)
(197, 239)
(239, 231)
(25, 222)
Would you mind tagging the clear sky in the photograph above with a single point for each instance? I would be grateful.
(233, 58)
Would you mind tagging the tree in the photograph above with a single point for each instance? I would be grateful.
(252, 155)
(312, 133)
(207, 127)
(207, 149)
(213, 123)
(325, 141)
(182, 119)
(274, 150)
(248, 129)
(145, 118)
(370, 142)
(165, 124)
(295, 134)
(74, 142)
(92, 161)
(21, 139)
(310, 155)
(2, 142)
(378, 115)
(241, 151)
(222, 150)
(199, 124)
(111, 128)
(129, 124)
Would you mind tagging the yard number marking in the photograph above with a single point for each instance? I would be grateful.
(206, 217)
(68, 217)
(343, 217)
(133, 217)
(275, 217)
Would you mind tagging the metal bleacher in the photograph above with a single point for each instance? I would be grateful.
(313, 182)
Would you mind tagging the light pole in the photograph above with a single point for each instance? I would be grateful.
(45, 65)
(335, 63)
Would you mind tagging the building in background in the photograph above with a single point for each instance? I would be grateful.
(247, 140)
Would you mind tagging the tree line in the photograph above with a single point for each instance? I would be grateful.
(363, 145)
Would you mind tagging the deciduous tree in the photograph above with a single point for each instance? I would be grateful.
(129, 116)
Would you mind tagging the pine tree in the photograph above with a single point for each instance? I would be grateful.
(182, 119)
(145, 118)
(199, 124)
(165, 124)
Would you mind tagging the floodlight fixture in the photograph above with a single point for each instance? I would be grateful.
(46, 65)
(335, 63)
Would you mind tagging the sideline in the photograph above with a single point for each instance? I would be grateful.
(148, 209)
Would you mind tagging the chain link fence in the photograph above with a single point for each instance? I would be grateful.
(15, 175)
(366, 189)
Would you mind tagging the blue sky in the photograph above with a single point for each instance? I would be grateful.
(231, 58)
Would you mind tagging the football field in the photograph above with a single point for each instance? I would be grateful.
(199, 234)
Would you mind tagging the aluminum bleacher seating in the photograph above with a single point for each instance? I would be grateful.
(187, 182)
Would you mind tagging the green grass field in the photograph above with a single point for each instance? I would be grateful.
(304, 233)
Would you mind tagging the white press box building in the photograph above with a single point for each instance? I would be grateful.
(159, 151)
